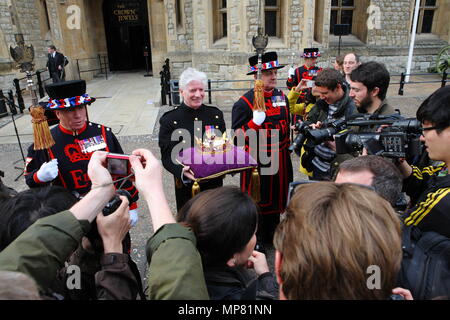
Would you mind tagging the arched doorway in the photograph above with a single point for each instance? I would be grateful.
(127, 33)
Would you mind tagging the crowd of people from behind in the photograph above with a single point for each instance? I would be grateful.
(327, 232)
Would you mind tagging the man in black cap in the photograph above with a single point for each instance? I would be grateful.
(308, 72)
(271, 130)
(191, 118)
(76, 138)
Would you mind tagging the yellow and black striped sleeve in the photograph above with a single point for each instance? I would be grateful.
(432, 213)
(417, 182)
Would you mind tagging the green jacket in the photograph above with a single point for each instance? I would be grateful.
(175, 267)
(384, 109)
(42, 249)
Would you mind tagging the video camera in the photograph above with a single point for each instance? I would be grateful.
(399, 139)
(316, 136)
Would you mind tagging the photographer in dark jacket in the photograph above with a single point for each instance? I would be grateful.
(334, 104)
(429, 187)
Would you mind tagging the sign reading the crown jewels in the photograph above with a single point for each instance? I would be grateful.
(127, 12)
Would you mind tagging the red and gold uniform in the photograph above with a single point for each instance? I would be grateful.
(72, 162)
(274, 187)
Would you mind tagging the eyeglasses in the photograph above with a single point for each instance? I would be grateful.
(428, 129)
(293, 186)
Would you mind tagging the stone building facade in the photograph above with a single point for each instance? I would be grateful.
(215, 35)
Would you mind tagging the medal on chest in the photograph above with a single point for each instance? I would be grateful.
(278, 101)
(92, 144)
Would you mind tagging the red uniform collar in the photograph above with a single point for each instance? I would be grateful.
(304, 66)
(73, 133)
(268, 94)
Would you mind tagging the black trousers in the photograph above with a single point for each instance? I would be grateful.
(58, 76)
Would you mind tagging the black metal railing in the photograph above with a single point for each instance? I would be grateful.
(40, 77)
(165, 83)
(173, 90)
(102, 65)
(170, 90)
(443, 81)
(7, 99)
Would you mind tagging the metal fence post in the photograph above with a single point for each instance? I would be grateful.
(444, 78)
(78, 68)
(165, 78)
(402, 84)
(19, 95)
(39, 83)
(100, 63)
(3, 110)
(170, 97)
(163, 89)
(209, 92)
(106, 67)
(12, 106)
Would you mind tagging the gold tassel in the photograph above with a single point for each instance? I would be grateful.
(258, 99)
(255, 188)
(195, 189)
(41, 132)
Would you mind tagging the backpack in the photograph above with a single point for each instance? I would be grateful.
(66, 61)
(425, 268)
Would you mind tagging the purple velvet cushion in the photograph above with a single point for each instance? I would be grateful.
(206, 164)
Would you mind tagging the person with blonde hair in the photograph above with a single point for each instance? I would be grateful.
(337, 241)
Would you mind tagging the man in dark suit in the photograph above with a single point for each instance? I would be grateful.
(55, 64)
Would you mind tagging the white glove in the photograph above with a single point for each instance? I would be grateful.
(48, 171)
(134, 217)
(259, 117)
(291, 72)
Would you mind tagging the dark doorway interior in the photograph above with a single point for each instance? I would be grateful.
(127, 33)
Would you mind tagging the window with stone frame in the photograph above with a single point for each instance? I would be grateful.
(179, 13)
(351, 12)
(427, 12)
(220, 20)
(272, 18)
(341, 13)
